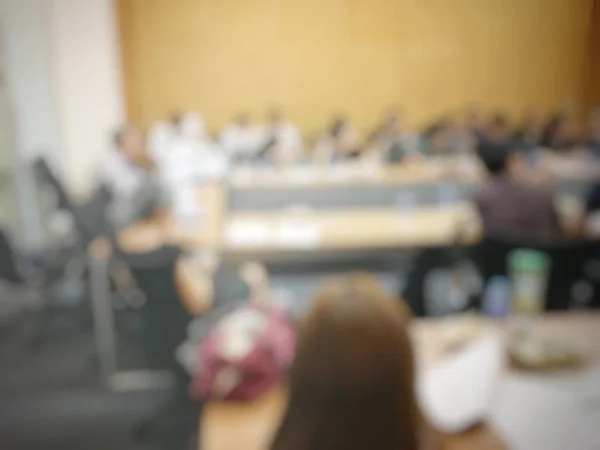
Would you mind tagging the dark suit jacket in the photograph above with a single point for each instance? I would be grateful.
(517, 208)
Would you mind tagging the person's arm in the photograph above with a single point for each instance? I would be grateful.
(194, 285)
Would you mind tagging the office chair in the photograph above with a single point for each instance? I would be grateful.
(438, 266)
(45, 280)
(165, 328)
(63, 268)
(9, 270)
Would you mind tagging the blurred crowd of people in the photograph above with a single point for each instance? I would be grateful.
(176, 146)
(176, 154)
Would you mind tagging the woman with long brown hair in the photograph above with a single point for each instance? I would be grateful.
(352, 382)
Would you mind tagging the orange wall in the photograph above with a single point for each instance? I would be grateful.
(594, 57)
(318, 57)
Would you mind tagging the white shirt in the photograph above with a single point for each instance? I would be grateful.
(289, 139)
(121, 177)
(241, 140)
(160, 140)
(191, 161)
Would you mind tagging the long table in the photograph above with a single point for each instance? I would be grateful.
(375, 238)
(429, 181)
(231, 426)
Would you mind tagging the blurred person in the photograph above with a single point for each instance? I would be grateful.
(499, 130)
(388, 129)
(126, 163)
(282, 140)
(508, 203)
(339, 143)
(593, 137)
(201, 286)
(128, 173)
(193, 156)
(322, 149)
(476, 124)
(241, 140)
(560, 133)
(441, 138)
(344, 138)
(591, 216)
(529, 134)
(352, 381)
(392, 140)
(160, 140)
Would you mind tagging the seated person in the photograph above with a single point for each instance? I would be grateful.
(509, 204)
(529, 134)
(392, 140)
(476, 125)
(352, 383)
(193, 156)
(560, 133)
(339, 143)
(593, 138)
(444, 137)
(498, 131)
(160, 140)
(241, 140)
(592, 213)
(282, 141)
(128, 173)
(201, 284)
(344, 138)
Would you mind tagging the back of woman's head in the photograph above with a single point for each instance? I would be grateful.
(351, 384)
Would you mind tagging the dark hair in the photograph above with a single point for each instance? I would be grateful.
(551, 129)
(494, 156)
(119, 134)
(337, 125)
(352, 382)
(500, 120)
(176, 118)
(433, 128)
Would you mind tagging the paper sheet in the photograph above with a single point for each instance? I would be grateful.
(248, 234)
(587, 432)
(298, 235)
(301, 175)
(533, 415)
(457, 394)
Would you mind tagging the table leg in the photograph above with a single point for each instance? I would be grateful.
(104, 329)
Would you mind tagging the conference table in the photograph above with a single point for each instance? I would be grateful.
(250, 425)
(336, 224)
(360, 184)
(360, 234)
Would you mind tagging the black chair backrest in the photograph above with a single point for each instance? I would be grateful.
(567, 261)
(8, 262)
(90, 218)
(165, 319)
(44, 174)
(442, 266)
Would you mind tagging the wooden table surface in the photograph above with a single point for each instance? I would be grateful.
(338, 229)
(351, 229)
(420, 171)
(249, 426)
(460, 169)
(357, 229)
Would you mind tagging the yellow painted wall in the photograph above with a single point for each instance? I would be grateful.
(319, 57)
(593, 93)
